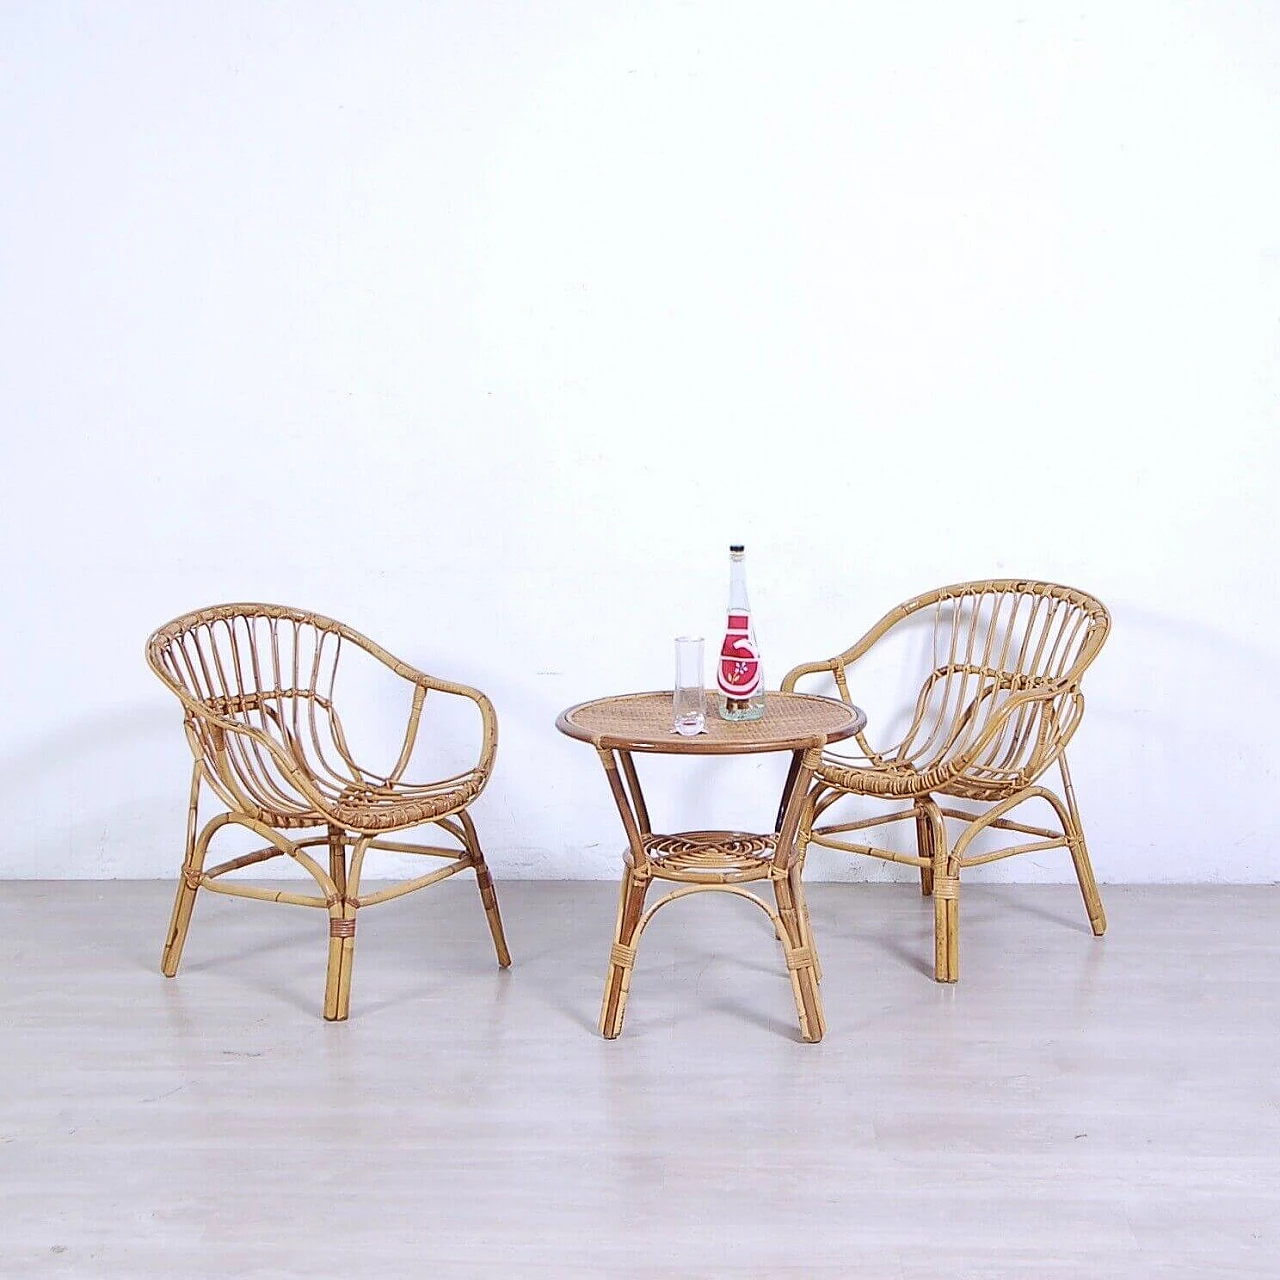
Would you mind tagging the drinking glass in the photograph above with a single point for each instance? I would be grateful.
(689, 706)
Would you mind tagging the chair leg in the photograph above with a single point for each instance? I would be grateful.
(946, 897)
(943, 886)
(1080, 857)
(801, 963)
(342, 948)
(924, 845)
(946, 926)
(180, 921)
(488, 894)
(489, 897)
(622, 955)
(188, 882)
(342, 933)
(338, 859)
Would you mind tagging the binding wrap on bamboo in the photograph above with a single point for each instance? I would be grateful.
(946, 886)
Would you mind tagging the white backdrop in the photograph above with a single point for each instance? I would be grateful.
(485, 327)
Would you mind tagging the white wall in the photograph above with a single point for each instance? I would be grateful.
(485, 327)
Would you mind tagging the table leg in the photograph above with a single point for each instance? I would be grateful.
(794, 929)
(635, 884)
(800, 964)
(802, 910)
(622, 955)
(788, 788)
(802, 960)
(638, 805)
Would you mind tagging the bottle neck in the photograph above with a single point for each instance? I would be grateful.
(738, 602)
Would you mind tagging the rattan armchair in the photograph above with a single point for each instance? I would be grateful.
(1001, 663)
(256, 683)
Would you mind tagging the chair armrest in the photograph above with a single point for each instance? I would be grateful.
(840, 664)
(836, 667)
(805, 669)
(425, 684)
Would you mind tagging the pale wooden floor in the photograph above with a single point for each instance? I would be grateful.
(1074, 1108)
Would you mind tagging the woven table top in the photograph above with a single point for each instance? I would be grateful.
(642, 722)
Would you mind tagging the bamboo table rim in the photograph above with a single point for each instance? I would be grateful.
(643, 722)
(707, 861)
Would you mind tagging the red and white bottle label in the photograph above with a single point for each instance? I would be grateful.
(739, 672)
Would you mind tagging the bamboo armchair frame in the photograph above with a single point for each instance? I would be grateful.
(993, 716)
(256, 683)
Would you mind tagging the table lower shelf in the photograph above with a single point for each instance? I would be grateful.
(711, 857)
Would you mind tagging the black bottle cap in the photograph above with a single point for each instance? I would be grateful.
(736, 546)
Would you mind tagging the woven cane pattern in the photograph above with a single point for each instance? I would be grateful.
(403, 806)
(642, 722)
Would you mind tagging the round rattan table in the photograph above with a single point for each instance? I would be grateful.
(632, 723)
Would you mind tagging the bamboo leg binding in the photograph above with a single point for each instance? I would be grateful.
(188, 882)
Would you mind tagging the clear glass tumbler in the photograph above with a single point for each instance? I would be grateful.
(689, 700)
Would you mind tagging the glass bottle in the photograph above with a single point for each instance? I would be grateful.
(739, 680)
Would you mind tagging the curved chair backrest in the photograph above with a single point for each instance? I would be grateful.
(1002, 697)
(257, 684)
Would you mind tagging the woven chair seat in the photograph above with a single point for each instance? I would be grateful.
(870, 779)
(380, 810)
(896, 780)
